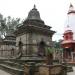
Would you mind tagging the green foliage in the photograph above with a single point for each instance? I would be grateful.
(57, 44)
(8, 24)
(49, 50)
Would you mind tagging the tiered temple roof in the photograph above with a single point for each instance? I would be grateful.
(9, 39)
(34, 23)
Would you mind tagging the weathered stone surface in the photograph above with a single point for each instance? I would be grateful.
(4, 73)
(12, 68)
(32, 33)
(45, 70)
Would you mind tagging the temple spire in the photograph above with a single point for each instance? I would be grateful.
(71, 5)
(34, 6)
(67, 28)
(71, 9)
(34, 14)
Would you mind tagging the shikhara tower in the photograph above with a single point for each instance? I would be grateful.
(68, 42)
(71, 19)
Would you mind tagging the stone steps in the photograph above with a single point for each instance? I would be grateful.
(12, 68)
(69, 69)
(13, 64)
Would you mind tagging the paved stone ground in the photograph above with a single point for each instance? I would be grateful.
(72, 73)
(4, 73)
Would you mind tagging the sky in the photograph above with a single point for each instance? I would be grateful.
(53, 12)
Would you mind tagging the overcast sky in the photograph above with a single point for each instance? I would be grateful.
(53, 12)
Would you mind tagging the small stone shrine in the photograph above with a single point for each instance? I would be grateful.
(33, 36)
(7, 45)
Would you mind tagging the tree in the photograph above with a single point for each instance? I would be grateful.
(49, 55)
(57, 44)
(8, 24)
(3, 26)
(12, 23)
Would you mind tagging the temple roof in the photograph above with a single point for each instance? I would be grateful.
(68, 41)
(71, 9)
(34, 14)
(10, 38)
(34, 23)
(70, 5)
(34, 28)
(68, 31)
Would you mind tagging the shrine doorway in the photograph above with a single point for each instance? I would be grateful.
(73, 56)
(41, 48)
(68, 54)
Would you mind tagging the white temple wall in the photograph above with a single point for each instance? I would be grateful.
(71, 23)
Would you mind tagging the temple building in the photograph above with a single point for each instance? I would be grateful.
(68, 43)
(71, 19)
(7, 45)
(33, 36)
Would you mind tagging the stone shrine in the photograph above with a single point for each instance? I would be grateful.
(33, 36)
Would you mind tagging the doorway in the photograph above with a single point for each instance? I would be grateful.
(41, 48)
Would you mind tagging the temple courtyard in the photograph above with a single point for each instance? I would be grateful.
(72, 73)
(4, 73)
(29, 50)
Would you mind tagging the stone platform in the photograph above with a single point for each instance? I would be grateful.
(43, 69)
(4, 73)
(31, 66)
